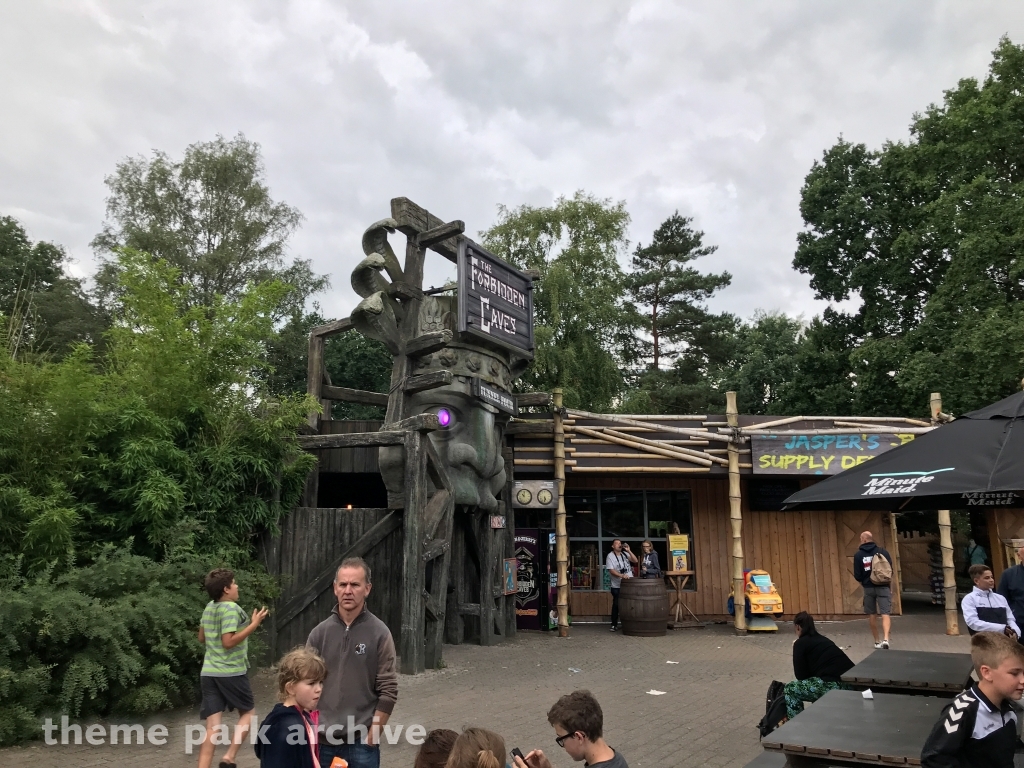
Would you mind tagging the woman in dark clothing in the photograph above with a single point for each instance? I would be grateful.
(818, 664)
(650, 568)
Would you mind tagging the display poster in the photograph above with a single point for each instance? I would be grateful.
(795, 453)
(527, 574)
(509, 568)
(679, 551)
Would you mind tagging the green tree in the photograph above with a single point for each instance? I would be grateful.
(928, 233)
(351, 359)
(765, 364)
(44, 309)
(211, 217)
(585, 332)
(674, 293)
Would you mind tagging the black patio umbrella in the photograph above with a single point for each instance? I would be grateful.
(975, 461)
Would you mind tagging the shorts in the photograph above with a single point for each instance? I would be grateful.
(878, 599)
(220, 693)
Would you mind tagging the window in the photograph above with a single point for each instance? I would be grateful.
(595, 519)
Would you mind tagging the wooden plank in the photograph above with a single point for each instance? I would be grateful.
(435, 625)
(315, 442)
(532, 429)
(435, 548)
(428, 343)
(354, 395)
(528, 399)
(323, 580)
(433, 236)
(428, 381)
(412, 651)
(438, 506)
(332, 328)
(413, 219)
(469, 609)
(421, 422)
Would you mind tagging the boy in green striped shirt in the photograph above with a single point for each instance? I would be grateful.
(224, 679)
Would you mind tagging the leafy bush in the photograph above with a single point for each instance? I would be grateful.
(117, 636)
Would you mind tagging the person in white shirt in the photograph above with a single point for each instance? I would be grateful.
(985, 610)
(619, 565)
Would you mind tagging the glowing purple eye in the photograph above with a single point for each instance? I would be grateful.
(444, 417)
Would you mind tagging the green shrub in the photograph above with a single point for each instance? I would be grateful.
(118, 636)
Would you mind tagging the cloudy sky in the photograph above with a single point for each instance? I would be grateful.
(714, 108)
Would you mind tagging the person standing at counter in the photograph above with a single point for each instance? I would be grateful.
(619, 564)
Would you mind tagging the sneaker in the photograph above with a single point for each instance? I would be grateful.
(885, 644)
(878, 646)
(614, 628)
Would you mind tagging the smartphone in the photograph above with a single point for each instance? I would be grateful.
(516, 752)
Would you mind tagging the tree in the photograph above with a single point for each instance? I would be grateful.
(765, 365)
(210, 216)
(43, 308)
(674, 292)
(351, 360)
(585, 332)
(930, 235)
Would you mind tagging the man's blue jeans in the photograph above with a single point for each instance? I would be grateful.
(357, 755)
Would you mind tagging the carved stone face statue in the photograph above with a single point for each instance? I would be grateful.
(470, 448)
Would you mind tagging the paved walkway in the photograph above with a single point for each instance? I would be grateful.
(713, 696)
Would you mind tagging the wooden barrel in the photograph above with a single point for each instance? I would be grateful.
(643, 607)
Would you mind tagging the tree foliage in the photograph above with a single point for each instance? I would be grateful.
(211, 216)
(928, 233)
(44, 309)
(674, 293)
(585, 330)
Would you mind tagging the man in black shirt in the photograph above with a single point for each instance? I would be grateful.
(579, 726)
(1011, 586)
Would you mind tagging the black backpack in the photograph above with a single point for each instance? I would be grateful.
(774, 708)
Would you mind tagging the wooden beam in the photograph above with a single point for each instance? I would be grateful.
(651, 470)
(354, 395)
(527, 399)
(353, 440)
(654, 427)
(314, 377)
(680, 454)
(402, 290)
(432, 237)
(434, 512)
(421, 422)
(699, 455)
(413, 636)
(435, 548)
(561, 533)
(428, 381)
(428, 343)
(469, 609)
(527, 429)
(413, 219)
(391, 522)
(332, 328)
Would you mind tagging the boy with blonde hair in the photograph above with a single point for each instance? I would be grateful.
(288, 737)
(979, 727)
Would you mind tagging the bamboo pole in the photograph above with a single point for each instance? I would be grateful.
(657, 444)
(656, 427)
(860, 430)
(898, 566)
(736, 516)
(673, 453)
(561, 537)
(652, 470)
(946, 542)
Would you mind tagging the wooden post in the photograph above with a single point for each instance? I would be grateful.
(561, 537)
(946, 543)
(736, 516)
(509, 547)
(897, 582)
(487, 566)
(413, 639)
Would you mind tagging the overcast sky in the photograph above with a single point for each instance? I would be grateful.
(716, 109)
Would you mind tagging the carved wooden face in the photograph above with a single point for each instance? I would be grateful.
(470, 448)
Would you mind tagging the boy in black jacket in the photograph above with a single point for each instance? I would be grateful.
(978, 729)
(288, 737)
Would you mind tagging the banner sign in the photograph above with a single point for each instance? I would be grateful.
(499, 398)
(495, 300)
(809, 454)
(527, 586)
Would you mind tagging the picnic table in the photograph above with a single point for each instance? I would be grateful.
(843, 727)
(913, 672)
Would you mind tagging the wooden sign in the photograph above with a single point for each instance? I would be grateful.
(495, 300)
(498, 398)
(809, 454)
(497, 521)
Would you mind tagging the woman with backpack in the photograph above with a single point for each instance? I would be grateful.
(818, 665)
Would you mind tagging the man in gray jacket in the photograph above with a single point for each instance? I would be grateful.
(362, 681)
